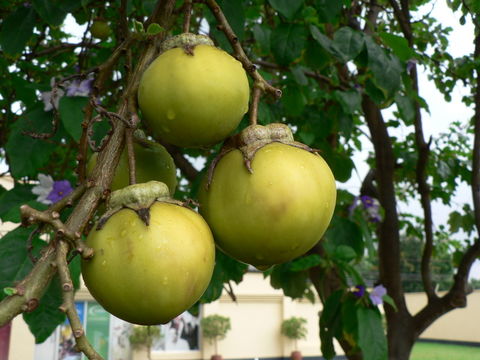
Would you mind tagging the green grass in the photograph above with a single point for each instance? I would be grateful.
(438, 351)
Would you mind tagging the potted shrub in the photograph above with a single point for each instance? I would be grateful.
(142, 338)
(215, 328)
(295, 329)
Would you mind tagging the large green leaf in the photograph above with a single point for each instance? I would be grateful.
(55, 11)
(343, 231)
(371, 336)
(235, 14)
(351, 100)
(293, 283)
(14, 261)
(293, 100)
(47, 316)
(287, 42)
(348, 42)
(11, 200)
(262, 35)
(287, 8)
(20, 144)
(328, 10)
(399, 45)
(406, 107)
(307, 262)
(17, 28)
(386, 68)
(330, 324)
(71, 114)
(226, 269)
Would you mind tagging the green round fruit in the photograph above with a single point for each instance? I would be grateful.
(148, 275)
(100, 29)
(152, 162)
(275, 214)
(193, 100)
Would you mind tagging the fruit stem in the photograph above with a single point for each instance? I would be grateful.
(188, 16)
(240, 55)
(257, 92)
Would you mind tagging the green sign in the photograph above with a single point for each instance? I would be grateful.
(98, 325)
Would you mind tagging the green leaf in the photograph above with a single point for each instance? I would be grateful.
(262, 37)
(293, 100)
(343, 231)
(399, 45)
(287, 42)
(316, 56)
(14, 261)
(10, 202)
(350, 100)
(371, 336)
(234, 11)
(390, 301)
(287, 8)
(27, 154)
(386, 68)
(348, 42)
(17, 28)
(154, 29)
(307, 262)
(328, 10)
(138, 26)
(341, 164)
(349, 318)
(293, 283)
(226, 269)
(330, 324)
(55, 11)
(43, 321)
(322, 39)
(298, 73)
(406, 107)
(345, 252)
(71, 114)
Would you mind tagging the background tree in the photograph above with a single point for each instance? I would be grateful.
(348, 71)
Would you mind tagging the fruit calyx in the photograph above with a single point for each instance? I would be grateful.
(253, 138)
(139, 198)
(187, 41)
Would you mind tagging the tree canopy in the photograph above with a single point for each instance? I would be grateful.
(344, 75)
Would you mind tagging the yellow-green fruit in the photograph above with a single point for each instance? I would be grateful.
(100, 29)
(150, 274)
(193, 100)
(274, 214)
(152, 162)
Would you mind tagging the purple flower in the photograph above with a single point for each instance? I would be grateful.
(371, 206)
(80, 87)
(359, 291)
(61, 188)
(377, 294)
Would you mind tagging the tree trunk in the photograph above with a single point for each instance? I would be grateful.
(400, 336)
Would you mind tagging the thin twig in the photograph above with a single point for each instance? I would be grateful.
(251, 69)
(131, 156)
(68, 305)
(187, 16)
(423, 148)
